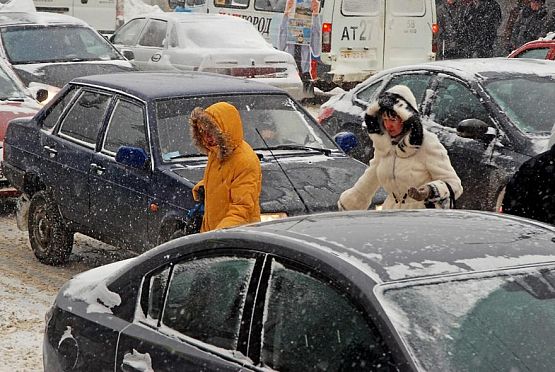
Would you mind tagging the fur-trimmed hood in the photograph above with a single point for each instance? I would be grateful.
(223, 121)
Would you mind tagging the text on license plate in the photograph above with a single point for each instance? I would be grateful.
(354, 53)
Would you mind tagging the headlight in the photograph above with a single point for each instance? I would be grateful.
(272, 216)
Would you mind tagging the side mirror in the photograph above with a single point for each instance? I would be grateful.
(132, 156)
(128, 54)
(472, 128)
(41, 95)
(346, 141)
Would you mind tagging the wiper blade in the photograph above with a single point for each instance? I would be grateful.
(184, 156)
(324, 151)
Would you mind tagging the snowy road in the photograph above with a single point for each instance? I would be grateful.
(28, 288)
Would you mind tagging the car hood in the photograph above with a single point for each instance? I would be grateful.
(59, 74)
(14, 109)
(318, 179)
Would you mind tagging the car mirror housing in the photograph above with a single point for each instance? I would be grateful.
(128, 54)
(132, 156)
(347, 141)
(41, 95)
(472, 128)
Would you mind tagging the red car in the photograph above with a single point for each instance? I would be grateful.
(15, 102)
(541, 49)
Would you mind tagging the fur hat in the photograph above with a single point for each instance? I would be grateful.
(406, 94)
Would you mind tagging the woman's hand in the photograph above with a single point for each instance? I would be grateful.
(421, 193)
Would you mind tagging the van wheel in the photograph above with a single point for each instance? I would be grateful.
(50, 238)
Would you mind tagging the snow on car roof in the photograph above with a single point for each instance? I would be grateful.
(37, 18)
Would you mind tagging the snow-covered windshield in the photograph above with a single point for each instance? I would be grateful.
(526, 101)
(279, 120)
(43, 44)
(227, 34)
(8, 89)
(501, 323)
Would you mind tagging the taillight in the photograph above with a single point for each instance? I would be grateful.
(313, 69)
(435, 28)
(435, 31)
(325, 112)
(326, 37)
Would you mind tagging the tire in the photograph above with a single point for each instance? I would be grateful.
(50, 238)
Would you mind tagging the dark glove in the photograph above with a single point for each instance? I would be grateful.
(421, 193)
(371, 118)
(416, 135)
(387, 101)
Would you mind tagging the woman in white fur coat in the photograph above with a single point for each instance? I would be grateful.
(409, 162)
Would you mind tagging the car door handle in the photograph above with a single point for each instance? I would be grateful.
(51, 150)
(97, 168)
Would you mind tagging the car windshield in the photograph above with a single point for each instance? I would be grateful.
(501, 323)
(225, 34)
(8, 88)
(278, 119)
(55, 44)
(526, 101)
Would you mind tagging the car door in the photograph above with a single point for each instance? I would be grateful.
(190, 315)
(453, 101)
(127, 37)
(151, 44)
(120, 193)
(70, 149)
(310, 323)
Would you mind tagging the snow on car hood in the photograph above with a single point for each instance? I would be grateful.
(91, 287)
(59, 74)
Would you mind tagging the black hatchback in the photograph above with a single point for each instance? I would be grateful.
(490, 114)
(425, 290)
(112, 158)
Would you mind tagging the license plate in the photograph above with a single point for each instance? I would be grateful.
(355, 54)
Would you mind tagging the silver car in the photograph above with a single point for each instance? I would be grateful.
(206, 42)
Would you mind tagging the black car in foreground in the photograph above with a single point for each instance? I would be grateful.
(490, 114)
(111, 157)
(436, 290)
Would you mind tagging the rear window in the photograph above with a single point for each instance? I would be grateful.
(409, 8)
(359, 7)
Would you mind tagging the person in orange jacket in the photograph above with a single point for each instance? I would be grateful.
(232, 177)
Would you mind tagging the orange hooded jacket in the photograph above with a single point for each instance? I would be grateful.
(233, 177)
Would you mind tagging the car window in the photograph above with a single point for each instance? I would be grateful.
(55, 44)
(367, 93)
(359, 7)
(413, 8)
(270, 5)
(489, 323)
(152, 297)
(455, 102)
(418, 83)
(310, 326)
(239, 34)
(206, 298)
(56, 110)
(278, 119)
(154, 34)
(129, 32)
(232, 3)
(85, 117)
(540, 53)
(126, 127)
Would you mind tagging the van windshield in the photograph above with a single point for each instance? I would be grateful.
(40, 44)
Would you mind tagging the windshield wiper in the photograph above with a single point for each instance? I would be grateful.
(18, 99)
(184, 156)
(292, 146)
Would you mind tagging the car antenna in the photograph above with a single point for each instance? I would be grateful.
(283, 170)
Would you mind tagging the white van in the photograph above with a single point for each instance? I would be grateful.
(359, 37)
(101, 15)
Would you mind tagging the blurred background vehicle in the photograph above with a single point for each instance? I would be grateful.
(490, 114)
(47, 50)
(209, 43)
(15, 101)
(543, 48)
(112, 158)
(430, 290)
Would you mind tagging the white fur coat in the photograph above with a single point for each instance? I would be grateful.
(398, 167)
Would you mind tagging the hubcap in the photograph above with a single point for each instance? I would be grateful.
(43, 229)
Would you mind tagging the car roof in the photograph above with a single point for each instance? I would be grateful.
(183, 17)
(38, 18)
(482, 68)
(399, 245)
(155, 85)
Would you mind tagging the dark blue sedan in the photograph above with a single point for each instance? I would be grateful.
(111, 157)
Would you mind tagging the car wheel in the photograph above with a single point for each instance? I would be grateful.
(50, 238)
